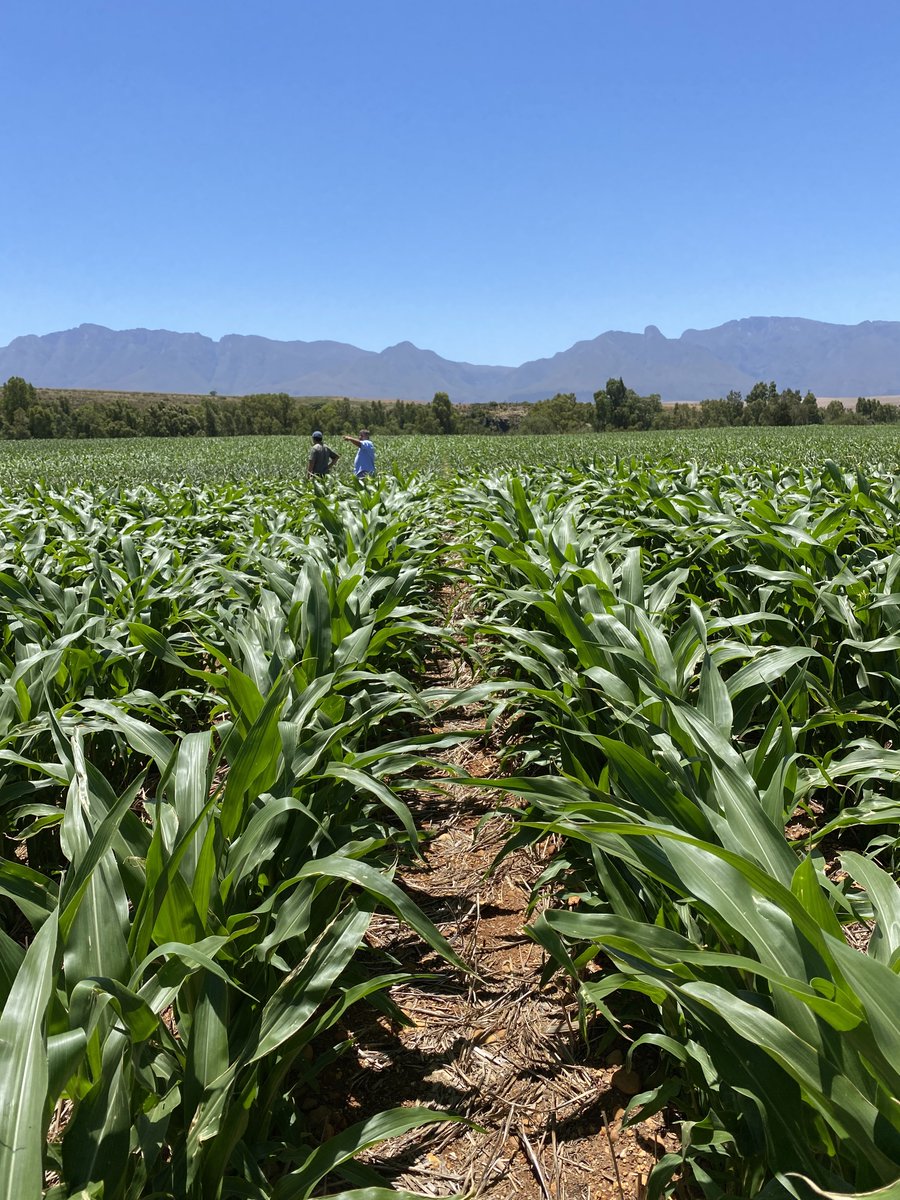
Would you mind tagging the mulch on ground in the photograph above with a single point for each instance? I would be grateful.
(501, 1048)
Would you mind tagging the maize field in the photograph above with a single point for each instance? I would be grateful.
(217, 723)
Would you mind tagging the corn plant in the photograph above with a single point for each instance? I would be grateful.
(197, 934)
(668, 720)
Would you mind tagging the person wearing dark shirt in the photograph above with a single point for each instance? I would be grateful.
(321, 457)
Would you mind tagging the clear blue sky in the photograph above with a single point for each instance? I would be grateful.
(492, 180)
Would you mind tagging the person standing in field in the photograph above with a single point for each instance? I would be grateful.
(364, 463)
(321, 457)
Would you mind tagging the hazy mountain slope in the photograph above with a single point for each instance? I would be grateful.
(648, 362)
(832, 360)
(245, 364)
(93, 356)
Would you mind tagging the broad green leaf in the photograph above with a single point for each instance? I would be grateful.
(377, 885)
(885, 897)
(255, 766)
(24, 1078)
(299, 1184)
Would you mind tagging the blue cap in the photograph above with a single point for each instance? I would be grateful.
(317, 436)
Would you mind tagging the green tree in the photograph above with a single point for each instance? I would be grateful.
(609, 404)
(761, 403)
(719, 413)
(423, 420)
(562, 413)
(19, 428)
(836, 414)
(211, 419)
(163, 419)
(43, 421)
(16, 399)
(810, 412)
(786, 408)
(619, 407)
(443, 412)
(123, 419)
(871, 410)
(679, 416)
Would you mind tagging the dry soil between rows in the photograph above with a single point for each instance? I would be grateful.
(501, 1047)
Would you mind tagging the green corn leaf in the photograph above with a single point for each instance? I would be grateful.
(64, 1053)
(844, 1107)
(767, 668)
(365, 783)
(316, 625)
(885, 897)
(96, 1142)
(806, 887)
(207, 1052)
(24, 1078)
(32, 892)
(90, 997)
(177, 919)
(95, 938)
(255, 766)
(377, 885)
(162, 870)
(140, 735)
(154, 642)
(891, 1191)
(304, 989)
(652, 790)
(11, 955)
(876, 988)
(300, 1184)
(714, 700)
(191, 795)
(77, 881)
(196, 956)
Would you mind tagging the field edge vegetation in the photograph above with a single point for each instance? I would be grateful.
(215, 717)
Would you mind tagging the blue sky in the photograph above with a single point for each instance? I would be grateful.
(493, 181)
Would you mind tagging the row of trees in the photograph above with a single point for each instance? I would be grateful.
(766, 405)
(27, 413)
(617, 407)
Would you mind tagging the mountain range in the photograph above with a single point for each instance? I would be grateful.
(830, 360)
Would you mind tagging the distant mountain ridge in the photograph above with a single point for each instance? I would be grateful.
(831, 360)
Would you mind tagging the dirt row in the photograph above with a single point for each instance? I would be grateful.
(501, 1048)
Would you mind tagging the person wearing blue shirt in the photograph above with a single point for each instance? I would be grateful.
(364, 463)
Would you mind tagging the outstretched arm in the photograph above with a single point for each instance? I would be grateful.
(355, 441)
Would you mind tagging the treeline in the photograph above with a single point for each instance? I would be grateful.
(26, 412)
(766, 405)
(617, 407)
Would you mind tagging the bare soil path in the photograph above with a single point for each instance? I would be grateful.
(501, 1049)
